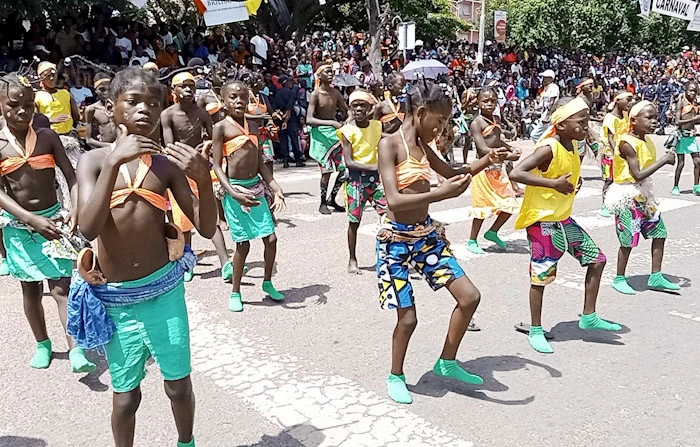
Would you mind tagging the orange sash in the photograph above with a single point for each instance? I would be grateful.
(11, 164)
(119, 196)
(395, 114)
(238, 142)
(490, 128)
(689, 108)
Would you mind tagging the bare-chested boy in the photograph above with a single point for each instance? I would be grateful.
(188, 123)
(132, 301)
(325, 147)
(245, 206)
(391, 111)
(31, 212)
(101, 130)
(687, 116)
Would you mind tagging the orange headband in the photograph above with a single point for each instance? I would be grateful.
(583, 84)
(99, 82)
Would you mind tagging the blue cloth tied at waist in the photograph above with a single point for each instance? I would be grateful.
(88, 322)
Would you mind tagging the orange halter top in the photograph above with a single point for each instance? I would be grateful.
(395, 113)
(490, 128)
(26, 155)
(411, 170)
(119, 196)
(256, 106)
(238, 142)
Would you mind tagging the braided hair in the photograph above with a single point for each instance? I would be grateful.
(426, 93)
(13, 80)
(123, 79)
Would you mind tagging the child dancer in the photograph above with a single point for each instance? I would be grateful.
(687, 116)
(391, 110)
(492, 192)
(360, 138)
(245, 206)
(141, 311)
(615, 124)
(550, 174)
(631, 197)
(101, 130)
(405, 164)
(31, 212)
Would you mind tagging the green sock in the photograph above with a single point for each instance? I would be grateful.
(473, 246)
(493, 237)
(604, 211)
(537, 340)
(78, 362)
(188, 276)
(270, 290)
(620, 284)
(186, 444)
(42, 357)
(4, 269)
(591, 321)
(227, 271)
(696, 190)
(657, 281)
(675, 191)
(235, 303)
(450, 368)
(396, 387)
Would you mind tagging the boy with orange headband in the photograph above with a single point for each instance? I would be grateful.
(325, 147)
(101, 130)
(33, 222)
(187, 123)
(615, 124)
(360, 139)
(550, 174)
(687, 116)
(631, 198)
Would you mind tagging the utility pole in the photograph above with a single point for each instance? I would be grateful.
(482, 24)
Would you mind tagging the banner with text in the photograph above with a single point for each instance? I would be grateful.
(682, 9)
(219, 12)
(694, 24)
(500, 19)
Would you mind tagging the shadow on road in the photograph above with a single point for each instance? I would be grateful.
(303, 435)
(569, 331)
(92, 380)
(21, 441)
(435, 386)
(639, 283)
(297, 295)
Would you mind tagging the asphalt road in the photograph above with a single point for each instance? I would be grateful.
(311, 371)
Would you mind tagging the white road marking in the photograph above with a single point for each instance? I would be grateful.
(316, 409)
(684, 315)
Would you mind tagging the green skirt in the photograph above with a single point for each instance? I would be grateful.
(246, 226)
(323, 141)
(25, 258)
(687, 145)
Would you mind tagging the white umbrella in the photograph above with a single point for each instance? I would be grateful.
(430, 68)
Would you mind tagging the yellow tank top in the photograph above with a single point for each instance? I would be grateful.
(618, 126)
(364, 141)
(54, 104)
(646, 156)
(542, 204)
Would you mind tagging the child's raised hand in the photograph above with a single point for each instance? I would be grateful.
(189, 160)
(498, 155)
(454, 186)
(563, 185)
(669, 158)
(129, 147)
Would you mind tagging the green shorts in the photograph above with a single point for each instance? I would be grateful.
(687, 145)
(156, 328)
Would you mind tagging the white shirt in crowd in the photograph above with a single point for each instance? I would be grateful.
(550, 95)
(167, 38)
(260, 48)
(141, 60)
(124, 46)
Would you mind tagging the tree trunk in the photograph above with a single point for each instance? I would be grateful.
(375, 49)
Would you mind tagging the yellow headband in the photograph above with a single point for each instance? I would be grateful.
(618, 97)
(563, 113)
(359, 95)
(99, 82)
(322, 67)
(634, 111)
(583, 84)
(44, 66)
(180, 78)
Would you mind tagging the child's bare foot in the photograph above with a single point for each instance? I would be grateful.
(353, 268)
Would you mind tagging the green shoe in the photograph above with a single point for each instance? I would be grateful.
(675, 191)
(604, 211)
(235, 303)
(42, 357)
(696, 190)
(397, 390)
(538, 341)
(188, 276)
(4, 269)
(621, 285)
(658, 282)
(227, 271)
(186, 444)
(473, 246)
(270, 290)
(78, 362)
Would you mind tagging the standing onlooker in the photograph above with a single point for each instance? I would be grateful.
(258, 48)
